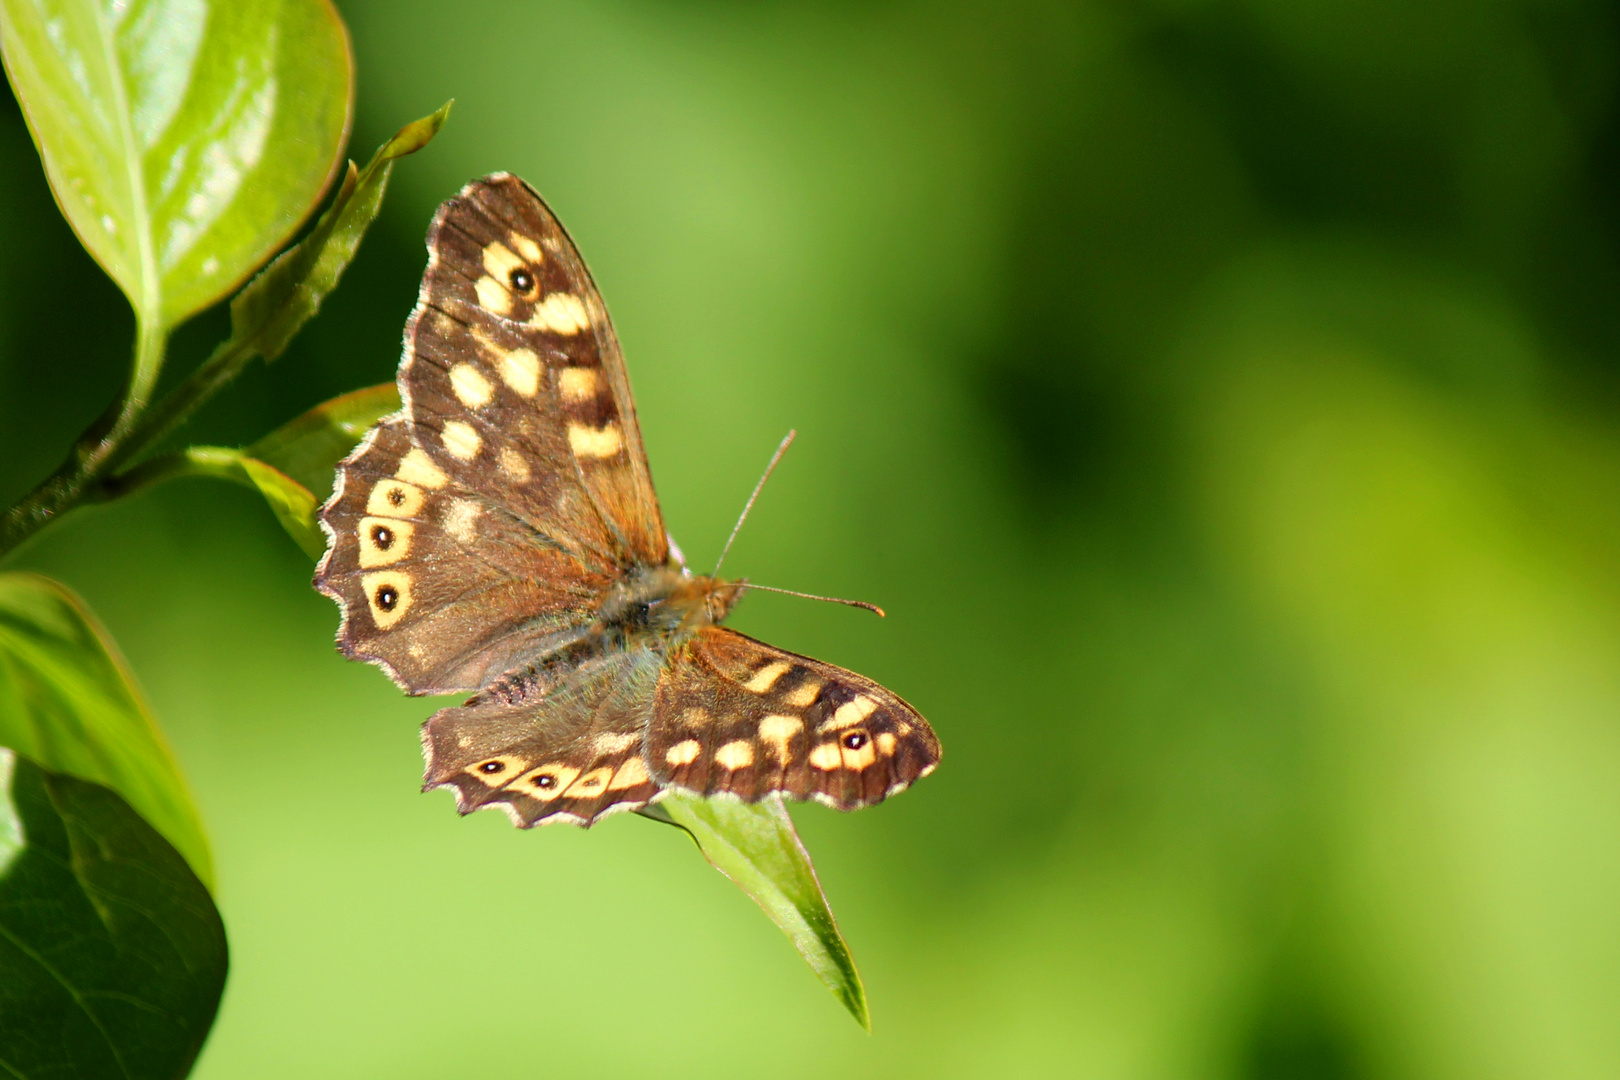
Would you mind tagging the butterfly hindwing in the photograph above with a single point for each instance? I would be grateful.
(736, 715)
(569, 752)
(514, 381)
(444, 589)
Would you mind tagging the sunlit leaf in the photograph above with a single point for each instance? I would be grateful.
(184, 139)
(292, 467)
(756, 846)
(112, 955)
(309, 447)
(279, 301)
(68, 702)
(291, 502)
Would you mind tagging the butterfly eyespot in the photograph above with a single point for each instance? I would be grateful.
(545, 782)
(382, 536)
(855, 740)
(522, 280)
(492, 767)
(396, 497)
(387, 597)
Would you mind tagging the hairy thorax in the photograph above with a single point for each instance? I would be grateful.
(662, 606)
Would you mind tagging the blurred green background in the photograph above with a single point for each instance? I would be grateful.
(1221, 396)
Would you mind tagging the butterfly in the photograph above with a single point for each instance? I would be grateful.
(500, 536)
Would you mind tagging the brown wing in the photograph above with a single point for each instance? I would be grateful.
(514, 383)
(737, 715)
(443, 588)
(525, 486)
(574, 754)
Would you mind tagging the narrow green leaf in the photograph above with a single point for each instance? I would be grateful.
(291, 502)
(112, 955)
(756, 846)
(292, 467)
(309, 448)
(185, 140)
(281, 299)
(68, 701)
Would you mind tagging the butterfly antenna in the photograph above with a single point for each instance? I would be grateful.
(812, 596)
(787, 441)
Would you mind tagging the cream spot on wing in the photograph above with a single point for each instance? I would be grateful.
(493, 295)
(777, 732)
(827, 756)
(513, 467)
(519, 369)
(851, 712)
(735, 755)
(561, 313)
(578, 383)
(860, 757)
(417, 468)
(470, 386)
(416, 652)
(631, 774)
(497, 770)
(696, 716)
(768, 676)
(547, 782)
(460, 520)
(589, 442)
(805, 694)
(499, 261)
(684, 752)
(460, 440)
(388, 594)
(885, 742)
(591, 784)
(384, 541)
(525, 247)
(612, 743)
(394, 498)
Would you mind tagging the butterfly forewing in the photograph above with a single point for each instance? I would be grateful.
(444, 589)
(570, 752)
(737, 715)
(515, 383)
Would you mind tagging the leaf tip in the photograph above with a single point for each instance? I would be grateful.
(416, 134)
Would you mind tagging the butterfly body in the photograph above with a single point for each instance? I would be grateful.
(500, 536)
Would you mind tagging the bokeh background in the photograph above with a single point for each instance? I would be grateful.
(1221, 396)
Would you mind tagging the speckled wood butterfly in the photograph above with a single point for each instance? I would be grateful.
(500, 536)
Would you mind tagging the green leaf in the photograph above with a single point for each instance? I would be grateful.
(291, 502)
(281, 299)
(309, 448)
(292, 467)
(68, 702)
(185, 140)
(756, 846)
(112, 955)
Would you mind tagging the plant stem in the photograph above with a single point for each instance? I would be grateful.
(100, 449)
(219, 462)
(226, 363)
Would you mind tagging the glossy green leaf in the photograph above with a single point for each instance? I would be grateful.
(184, 139)
(280, 300)
(68, 701)
(756, 846)
(309, 448)
(291, 502)
(112, 955)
